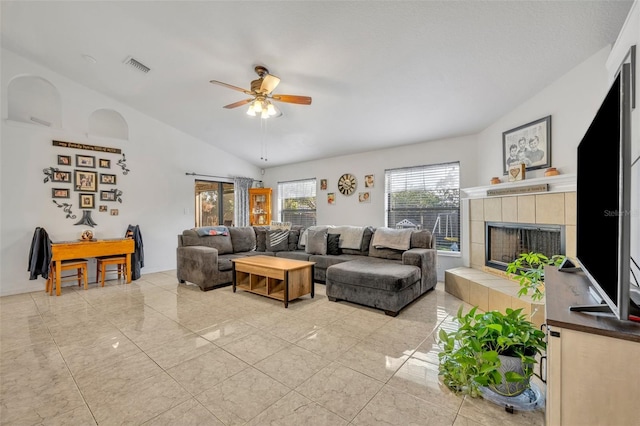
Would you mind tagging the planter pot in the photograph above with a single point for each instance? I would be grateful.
(510, 363)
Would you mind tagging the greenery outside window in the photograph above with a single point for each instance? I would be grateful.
(297, 202)
(427, 197)
(214, 203)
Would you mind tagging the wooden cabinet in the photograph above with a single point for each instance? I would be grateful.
(259, 206)
(592, 373)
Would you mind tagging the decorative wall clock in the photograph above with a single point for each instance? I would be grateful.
(347, 184)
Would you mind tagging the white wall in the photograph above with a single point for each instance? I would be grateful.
(347, 210)
(158, 195)
(572, 101)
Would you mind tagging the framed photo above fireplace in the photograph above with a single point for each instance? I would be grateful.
(529, 144)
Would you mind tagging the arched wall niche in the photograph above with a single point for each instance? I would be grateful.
(32, 99)
(108, 123)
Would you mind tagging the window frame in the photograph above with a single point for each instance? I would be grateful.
(440, 183)
(310, 183)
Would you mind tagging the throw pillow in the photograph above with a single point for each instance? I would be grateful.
(316, 242)
(333, 244)
(277, 240)
(294, 235)
(261, 238)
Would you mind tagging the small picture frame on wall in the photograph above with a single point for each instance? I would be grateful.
(331, 198)
(64, 160)
(114, 212)
(61, 176)
(104, 163)
(87, 201)
(107, 196)
(364, 197)
(85, 180)
(368, 181)
(323, 184)
(107, 179)
(102, 208)
(60, 193)
(85, 161)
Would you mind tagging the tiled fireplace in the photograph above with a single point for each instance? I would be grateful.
(546, 220)
(555, 208)
(505, 241)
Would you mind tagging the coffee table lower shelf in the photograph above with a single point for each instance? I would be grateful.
(276, 278)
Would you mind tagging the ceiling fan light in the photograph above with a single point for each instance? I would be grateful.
(271, 110)
(264, 114)
(257, 106)
(250, 111)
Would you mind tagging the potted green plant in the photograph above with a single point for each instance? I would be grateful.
(529, 267)
(475, 355)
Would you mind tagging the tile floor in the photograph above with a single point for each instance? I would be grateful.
(154, 352)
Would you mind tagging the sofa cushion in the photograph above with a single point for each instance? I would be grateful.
(222, 243)
(333, 244)
(399, 239)
(261, 237)
(350, 236)
(388, 276)
(422, 239)
(277, 240)
(296, 255)
(364, 246)
(316, 241)
(243, 238)
(294, 236)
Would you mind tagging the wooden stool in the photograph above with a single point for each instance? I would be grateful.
(80, 265)
(104, 261)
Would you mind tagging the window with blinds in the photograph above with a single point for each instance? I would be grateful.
(426, 197)
(297, 202)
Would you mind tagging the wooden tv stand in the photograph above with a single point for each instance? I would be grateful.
(593, 360)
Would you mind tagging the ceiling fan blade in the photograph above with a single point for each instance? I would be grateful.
(269, 82)
(239, 89)
(293, 99)
(239, 103)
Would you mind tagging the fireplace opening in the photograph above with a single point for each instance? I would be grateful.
(506, 241)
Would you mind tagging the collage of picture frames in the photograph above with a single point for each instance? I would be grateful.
(347, 185)
(87, 176)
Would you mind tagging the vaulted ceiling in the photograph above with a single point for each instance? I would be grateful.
(381, 73)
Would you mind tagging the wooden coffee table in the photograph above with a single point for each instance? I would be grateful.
(274, 277)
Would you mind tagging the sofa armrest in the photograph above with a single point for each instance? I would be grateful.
(425, 259)
(198, 265)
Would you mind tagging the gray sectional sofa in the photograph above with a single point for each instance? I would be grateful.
(357, 264)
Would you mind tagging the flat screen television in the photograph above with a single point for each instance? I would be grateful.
(604, 193)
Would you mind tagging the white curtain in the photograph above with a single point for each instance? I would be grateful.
(241, 187)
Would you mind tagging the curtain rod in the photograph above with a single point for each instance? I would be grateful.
(216, 177)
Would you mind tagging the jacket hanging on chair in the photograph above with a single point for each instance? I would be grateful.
(137, 258)
(39, 254)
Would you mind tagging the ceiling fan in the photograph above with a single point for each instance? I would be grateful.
(261, 95)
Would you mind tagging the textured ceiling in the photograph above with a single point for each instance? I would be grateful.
(380, 73)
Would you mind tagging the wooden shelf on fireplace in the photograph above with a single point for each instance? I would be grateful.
(559, 183)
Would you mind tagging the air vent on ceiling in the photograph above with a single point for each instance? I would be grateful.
(137, 65)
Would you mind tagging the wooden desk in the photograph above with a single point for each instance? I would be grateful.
(65, 250)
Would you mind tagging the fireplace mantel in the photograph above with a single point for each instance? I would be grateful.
(559, 183)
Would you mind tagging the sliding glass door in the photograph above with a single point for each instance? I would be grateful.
(213, 203)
